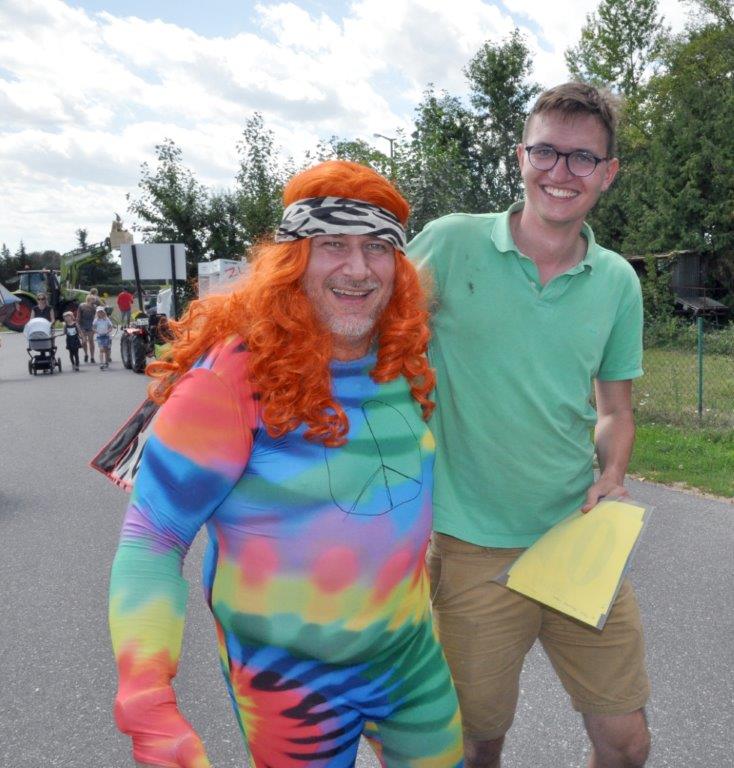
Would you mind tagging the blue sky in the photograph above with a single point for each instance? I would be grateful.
(89, 87)
(211, 18)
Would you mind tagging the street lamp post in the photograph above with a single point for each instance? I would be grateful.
(387, 138)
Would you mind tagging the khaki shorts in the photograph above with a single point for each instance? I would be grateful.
(486, 630)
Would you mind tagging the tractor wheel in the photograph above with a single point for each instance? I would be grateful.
(139, 353)
(21, 315)
(126, 354)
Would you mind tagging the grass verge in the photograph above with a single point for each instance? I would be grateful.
(668, 392)
(702, 459)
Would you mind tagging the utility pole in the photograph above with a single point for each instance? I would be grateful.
(387, 138)
(391, 140)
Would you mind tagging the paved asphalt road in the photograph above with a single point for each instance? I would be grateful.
(59, 523)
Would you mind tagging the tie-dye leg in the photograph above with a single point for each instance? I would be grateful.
(424, 730)
(304, 713)
(296, 713)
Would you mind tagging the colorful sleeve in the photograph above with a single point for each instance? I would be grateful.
(200, 445)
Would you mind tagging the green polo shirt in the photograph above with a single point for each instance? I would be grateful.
(515, 363)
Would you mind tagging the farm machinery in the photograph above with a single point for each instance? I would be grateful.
(59, 285)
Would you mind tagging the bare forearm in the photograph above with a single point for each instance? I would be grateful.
(614, 437)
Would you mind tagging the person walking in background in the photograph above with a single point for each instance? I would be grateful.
(125, 301)
(293, 427)
(101, 301)
(102, 326)
(72, 332)
(43, 309)
(85, 318)
(531, 312)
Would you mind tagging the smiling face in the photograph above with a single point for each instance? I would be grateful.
(557, 197)
(349, 280)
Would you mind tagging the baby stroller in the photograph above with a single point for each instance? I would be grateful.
(41, 346)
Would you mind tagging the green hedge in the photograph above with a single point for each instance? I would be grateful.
(677, 333)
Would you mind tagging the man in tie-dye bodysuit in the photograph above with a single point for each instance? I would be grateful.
(292, 425)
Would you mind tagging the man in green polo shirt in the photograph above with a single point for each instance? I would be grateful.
(531, 313)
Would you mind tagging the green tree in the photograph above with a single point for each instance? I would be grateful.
(172, 204)
(617, 213)
(675, 190)
(619, 43)
(657, 296)
(260, 180)
(691, 174)
(501, 92)
(435, 168)
(721, 11)
(462, 159)
(103, 272)
(357, 151)
(22, 256)
(620, 46)
(458, 157)
(9, 265)
(48, 259)
(226, 237)
(81, 237)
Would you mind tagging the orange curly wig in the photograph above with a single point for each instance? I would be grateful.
(289, 350)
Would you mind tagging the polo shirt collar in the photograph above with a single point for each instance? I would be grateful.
(502, 239)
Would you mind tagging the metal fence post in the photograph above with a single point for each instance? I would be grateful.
(699, 334)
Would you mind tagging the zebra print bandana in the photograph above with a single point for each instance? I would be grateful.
(338, 216)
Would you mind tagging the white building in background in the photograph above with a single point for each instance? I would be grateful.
(219, 275)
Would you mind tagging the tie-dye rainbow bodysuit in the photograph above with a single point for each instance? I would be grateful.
(314, 573)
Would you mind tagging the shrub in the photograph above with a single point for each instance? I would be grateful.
(679, 333)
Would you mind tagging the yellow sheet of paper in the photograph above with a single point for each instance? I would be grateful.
(576, 566)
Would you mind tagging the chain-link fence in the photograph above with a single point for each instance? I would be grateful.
(689, 376)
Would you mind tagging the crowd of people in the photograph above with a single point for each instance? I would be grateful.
(90, 324)
(366, 469)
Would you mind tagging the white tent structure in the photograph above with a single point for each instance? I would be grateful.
(7, 303)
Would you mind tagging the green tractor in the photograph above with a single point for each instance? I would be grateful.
(31, 282)
(58, 284)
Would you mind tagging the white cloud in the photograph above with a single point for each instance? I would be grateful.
(84, 98)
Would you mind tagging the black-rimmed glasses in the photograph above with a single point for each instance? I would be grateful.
(579, 162)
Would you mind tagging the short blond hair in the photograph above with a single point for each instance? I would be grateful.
(575, 99)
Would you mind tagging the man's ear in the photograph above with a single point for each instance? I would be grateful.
(610, 173)
(520, 152)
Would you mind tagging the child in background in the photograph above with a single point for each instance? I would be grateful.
(73, 338)
(102, 327)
